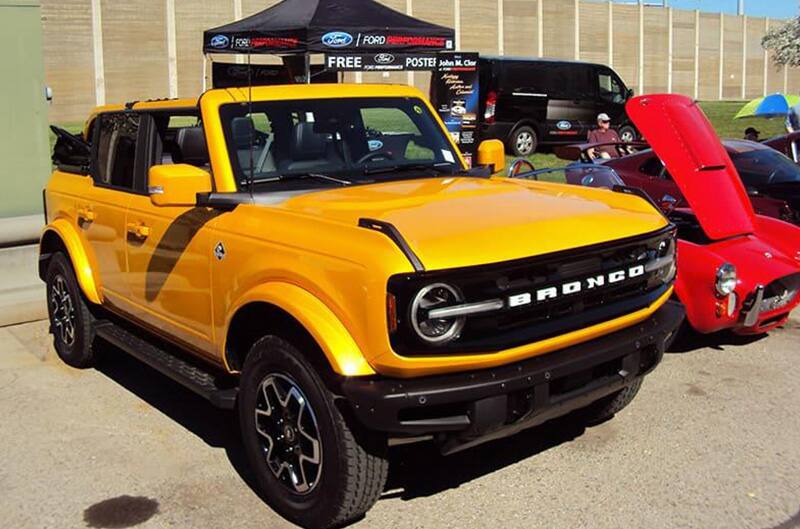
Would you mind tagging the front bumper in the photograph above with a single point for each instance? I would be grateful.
(469, 408)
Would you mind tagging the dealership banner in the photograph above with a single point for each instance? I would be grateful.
(379, 62)
(454, 94)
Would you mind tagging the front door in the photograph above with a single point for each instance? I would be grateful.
(169, 249)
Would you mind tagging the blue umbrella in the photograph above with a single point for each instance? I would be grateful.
(772, 106)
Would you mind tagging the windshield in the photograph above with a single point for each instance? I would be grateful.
(587, 175)
(352, 139)
(761, 167)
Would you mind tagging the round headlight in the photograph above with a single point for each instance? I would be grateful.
(726, 279)
(436, 331)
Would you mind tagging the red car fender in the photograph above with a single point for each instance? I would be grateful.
(695, 287)
(780, 234)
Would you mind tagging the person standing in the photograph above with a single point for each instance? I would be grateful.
(604, 134)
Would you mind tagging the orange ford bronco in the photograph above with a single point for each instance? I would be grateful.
(320, 259)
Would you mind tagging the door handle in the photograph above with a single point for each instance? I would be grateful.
(86, 214)
(138, 230)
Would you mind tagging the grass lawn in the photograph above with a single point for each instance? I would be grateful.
(720, 113)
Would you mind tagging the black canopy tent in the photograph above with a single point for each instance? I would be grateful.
(304, 27)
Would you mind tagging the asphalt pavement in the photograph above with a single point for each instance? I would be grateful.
(712, 441)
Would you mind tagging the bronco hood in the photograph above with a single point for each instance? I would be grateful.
(684, 139)
(462, 221)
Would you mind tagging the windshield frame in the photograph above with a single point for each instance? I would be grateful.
(428, 124)
(771, 156)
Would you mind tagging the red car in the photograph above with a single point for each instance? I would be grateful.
(787, 144)
(771, 179)
(736, 269)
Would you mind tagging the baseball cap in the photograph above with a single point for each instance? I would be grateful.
(751, 130)
(603, 117)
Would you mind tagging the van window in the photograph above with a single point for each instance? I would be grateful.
(610, 87)
(115, 164)
(556, 80)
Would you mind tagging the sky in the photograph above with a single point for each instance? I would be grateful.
(756, 8)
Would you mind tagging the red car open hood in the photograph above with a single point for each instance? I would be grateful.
(681, 135)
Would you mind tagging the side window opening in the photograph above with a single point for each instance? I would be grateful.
(115, 162)
(179, 138)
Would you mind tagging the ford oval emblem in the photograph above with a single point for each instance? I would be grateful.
(564, 125)
(220, 41)
(384, 58)
(337, 39)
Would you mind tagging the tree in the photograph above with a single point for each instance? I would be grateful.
(784, 42)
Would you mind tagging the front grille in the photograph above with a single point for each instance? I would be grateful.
(539, 319)
(780, 293)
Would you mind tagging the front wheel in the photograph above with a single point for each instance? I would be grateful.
(627, 133)
(314, 467)
(523, 141)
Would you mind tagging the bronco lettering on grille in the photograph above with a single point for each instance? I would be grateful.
(574, 287)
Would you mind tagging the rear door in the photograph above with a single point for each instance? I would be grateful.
(684, 139)
(520, 96)
(117, 174)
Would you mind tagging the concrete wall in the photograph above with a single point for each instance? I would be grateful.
(105, 50)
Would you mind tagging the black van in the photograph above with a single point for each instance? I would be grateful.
(530, 102)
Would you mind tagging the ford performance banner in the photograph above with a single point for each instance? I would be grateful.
(326, 26)
(454, 95)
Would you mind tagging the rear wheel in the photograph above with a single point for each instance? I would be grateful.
(605, 408)
(314, 467)
(71, 322)
(523, 141)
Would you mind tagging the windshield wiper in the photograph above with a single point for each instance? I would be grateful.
(318, 176)
(440, 168)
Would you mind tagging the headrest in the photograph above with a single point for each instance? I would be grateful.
(307, 144)
(243, 131)
(192, 148)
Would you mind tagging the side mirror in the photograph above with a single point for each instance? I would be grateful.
(177, 185)
(668, 203)
(520, 166)
(492, 153)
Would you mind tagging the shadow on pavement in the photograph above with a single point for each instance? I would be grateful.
(414, 470)
(217, 428)
(420, 470)
(690, 340)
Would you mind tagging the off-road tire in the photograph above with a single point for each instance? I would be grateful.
(523, 141)
(354, 465)
(605, 408)
(61, 283)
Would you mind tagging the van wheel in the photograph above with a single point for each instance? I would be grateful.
(605, 408)
(628, 134)
(523, 141)
(71, 322)
(313, 466)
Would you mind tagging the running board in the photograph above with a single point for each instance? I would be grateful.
(191, 375)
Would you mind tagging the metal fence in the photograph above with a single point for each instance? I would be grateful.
(99, 51)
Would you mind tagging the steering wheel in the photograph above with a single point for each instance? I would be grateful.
(520, 166)
(378, 154)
